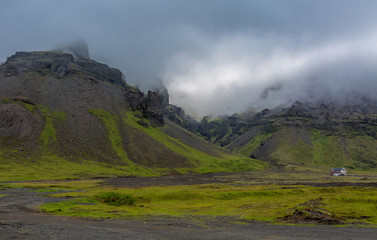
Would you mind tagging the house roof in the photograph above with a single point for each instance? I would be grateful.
(338, 169)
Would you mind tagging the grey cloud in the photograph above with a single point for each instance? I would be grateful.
(217, 48)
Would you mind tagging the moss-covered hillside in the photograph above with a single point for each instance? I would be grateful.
(333, 135)
(62, 117)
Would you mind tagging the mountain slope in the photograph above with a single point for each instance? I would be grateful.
(58, 110)
(320, 134)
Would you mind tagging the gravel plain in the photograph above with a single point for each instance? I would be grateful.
(21, 219)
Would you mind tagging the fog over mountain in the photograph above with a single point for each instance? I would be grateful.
(214, 56)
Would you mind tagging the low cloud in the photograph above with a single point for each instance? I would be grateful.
(242, 72)
(214, 56)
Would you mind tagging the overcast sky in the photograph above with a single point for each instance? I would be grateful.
(214, 56)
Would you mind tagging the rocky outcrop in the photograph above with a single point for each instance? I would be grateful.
(99, 71)
(60, 68)
(152, 108)
(155, 107)
(178, 116)
(57, 64)
(134, 98)
(151, 105)
(11, 70)
(61, 64)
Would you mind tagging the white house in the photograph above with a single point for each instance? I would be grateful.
(338, 172)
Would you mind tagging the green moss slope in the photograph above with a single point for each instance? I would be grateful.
(202, 162)
(316, 148)
(110, 122)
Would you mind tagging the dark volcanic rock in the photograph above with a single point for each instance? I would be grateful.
(60, 64)
(11, 70)
(100, 71)
(153, 109)
(151, 106)
(60, 68)
(40, 66)
(134, 98)
(178, 116)
(41, 62)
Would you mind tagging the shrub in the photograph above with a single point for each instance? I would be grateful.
(116, 199)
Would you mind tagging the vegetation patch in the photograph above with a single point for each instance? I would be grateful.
(116, 199)
(312, 212)
(271, 203)
(54, 167)
(29, 106)
(49, 133)
(327, 150)
(317, 148)
(249, 148)
(110, 122)
(204, 162)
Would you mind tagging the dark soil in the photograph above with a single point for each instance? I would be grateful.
(243, 178)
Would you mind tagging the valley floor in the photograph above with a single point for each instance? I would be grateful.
(20, 217)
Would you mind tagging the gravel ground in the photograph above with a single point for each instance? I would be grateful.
(20, 219)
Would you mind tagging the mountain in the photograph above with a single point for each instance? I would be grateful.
(61, 114)
(327, 133)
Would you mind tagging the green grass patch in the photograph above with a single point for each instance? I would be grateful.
(49, 133)
(253, 144)
(110, 122)
(356, 205)
(115, 199)
(316, 148)
(327, 150)
(291, 149)
(51, 166)
(30, 107)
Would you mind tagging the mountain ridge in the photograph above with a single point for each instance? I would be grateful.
(316, 133)
(55, 108)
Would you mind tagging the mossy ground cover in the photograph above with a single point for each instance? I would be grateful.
(16, 165)
(203, 162)
(267, 196)
(52, 166)
(49, 133)
(322, 149)
(110, 122)
(248, 149)
(354, 205)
